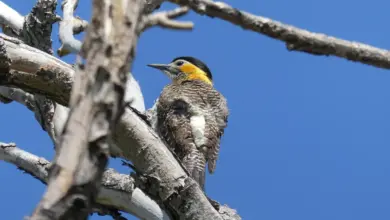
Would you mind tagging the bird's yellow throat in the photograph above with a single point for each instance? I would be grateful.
(192, 72)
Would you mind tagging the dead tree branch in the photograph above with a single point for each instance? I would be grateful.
(67, 26)
(24, 59)
(18, 95)
(164, 19)
(296, 39)
(117, 190)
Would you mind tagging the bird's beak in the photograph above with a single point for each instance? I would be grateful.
(162, 67)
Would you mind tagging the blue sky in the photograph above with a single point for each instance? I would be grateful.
(308, 136)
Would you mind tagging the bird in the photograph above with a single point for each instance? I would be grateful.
(191, 115)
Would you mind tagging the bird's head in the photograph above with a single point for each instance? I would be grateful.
(184, 69)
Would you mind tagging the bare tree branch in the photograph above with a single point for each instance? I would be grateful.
(24, 59)
(164, 19)
(296, 39)
(67, 25)
(168, 182)
(118, 191)
(15, 94)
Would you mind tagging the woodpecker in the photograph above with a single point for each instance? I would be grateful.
(191, 115)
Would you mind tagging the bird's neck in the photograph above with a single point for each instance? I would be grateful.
(193, 77)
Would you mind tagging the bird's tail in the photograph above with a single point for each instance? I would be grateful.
(195, 163)
(199, 175)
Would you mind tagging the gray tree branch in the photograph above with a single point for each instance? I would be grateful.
(18, 95)
(67, 26)
(165, 19)
(117, 190)
(296, 39)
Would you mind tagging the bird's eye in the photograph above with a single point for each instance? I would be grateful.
(179, 63)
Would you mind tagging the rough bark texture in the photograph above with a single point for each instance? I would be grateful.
(32, 67)
(296, 39)
(97, 102)
(37, 27)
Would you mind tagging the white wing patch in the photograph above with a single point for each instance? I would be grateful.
(198, 124)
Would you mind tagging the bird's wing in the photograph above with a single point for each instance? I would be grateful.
(176, 129)
(215, 129)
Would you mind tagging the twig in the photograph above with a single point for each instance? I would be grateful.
(164, 19)
(296, 39)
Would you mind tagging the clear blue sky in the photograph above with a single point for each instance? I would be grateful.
(308, 136)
